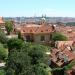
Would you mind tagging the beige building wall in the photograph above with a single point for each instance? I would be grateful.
(37, 38)
(47, 37)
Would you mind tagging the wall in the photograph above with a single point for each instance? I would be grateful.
(37, 38)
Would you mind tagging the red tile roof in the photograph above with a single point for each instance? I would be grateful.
(55, 54)
(62, 44)
(70, 54)
(36, 29)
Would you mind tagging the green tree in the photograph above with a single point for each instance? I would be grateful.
(28, 60)
(18, 63)
(3, 38)
(58, 71)
(19, 36)
(57, 36)
(9, 27)
(70, 24)
(14, 43)
(42, 69)
(38, 54)
(3, 52)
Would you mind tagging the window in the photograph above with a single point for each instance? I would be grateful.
(30, 30)
(46, 29)
(50, 36)
(42, 38)
(41, 30)
(23, 30)
(28, 38)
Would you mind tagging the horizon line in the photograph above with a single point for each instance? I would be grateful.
(41, 16)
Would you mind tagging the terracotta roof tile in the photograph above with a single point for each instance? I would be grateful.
(70, 54)
(62, 44)
(36, 29)
(54, 55)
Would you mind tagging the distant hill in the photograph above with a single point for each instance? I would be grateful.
(48, 19)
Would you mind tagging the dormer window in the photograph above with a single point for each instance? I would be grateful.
(41, 30)
(23, 30)
(46, 29)
(30, 30)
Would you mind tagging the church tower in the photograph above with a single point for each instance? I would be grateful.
(43, 20)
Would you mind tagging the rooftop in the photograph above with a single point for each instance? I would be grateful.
(60, 56)
(35, 29)
(1, 20)
(69, 31)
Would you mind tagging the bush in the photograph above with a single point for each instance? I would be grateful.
(14, 43)
(56, 36)
(3, 38)
(3, 52)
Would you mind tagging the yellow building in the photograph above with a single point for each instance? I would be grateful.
(35, 33)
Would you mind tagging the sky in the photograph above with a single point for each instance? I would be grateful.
(32, 8)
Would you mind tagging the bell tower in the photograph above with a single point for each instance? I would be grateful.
(43, 20)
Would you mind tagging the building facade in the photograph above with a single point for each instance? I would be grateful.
(36, 33)
(2, 24)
